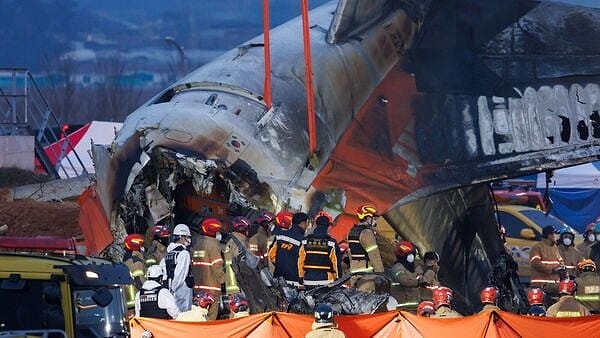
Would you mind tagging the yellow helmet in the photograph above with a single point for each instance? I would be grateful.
(366, 210)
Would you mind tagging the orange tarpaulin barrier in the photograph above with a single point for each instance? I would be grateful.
(387, 324)
(93, 222)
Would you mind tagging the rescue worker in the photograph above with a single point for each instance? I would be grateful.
(570, 255)
(588, 285)
(318, 262)
(537, 311)
(489, 299)
(207, 263)
(258, 243)
(158, 249)
(200, 304)
(595, 248)
(567, 306)
(407, 277)
(177, 267)
(430, 273)
(344, 258)
(442, 297)
(240, 226)
(324, 325)
(285, 250)
(365, 257)
(425, 309)
(238, 306)
(547, 265)
(154, 300)
(536, 296)
(589, 239)
(134, 259)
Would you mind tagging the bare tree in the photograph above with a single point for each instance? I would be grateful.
(61, 90)
(116, 94)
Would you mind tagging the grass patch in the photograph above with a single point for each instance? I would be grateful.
(14, 177)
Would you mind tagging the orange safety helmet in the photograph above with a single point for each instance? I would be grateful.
(159, 231)
(586, 265)
(284, 219)
(442, 296)
(535, 296)
(325, 214)
(366, 210)
(238, 303)
(489, 295)
(211, 226)
(204, 299)
(567, 287)
(134, 242)
(241, 224)
(403, 248)
(425, 308)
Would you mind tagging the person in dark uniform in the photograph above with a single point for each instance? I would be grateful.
(285, 250)
(318, 262)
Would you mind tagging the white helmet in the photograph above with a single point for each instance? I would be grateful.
(154, 271)
(182, 230)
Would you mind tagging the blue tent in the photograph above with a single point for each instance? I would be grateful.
(575, 192)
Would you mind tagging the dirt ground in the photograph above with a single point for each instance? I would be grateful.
(29, 218)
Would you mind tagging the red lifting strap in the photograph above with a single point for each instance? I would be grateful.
(267, 48)
(310, 101)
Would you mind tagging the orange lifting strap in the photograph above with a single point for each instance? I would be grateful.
(267, 47)
(310, 102)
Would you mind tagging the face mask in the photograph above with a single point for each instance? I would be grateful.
(142, 249)
(567, 241)
(410, 258)
(591, 238)
(188, 241)
(218, 236)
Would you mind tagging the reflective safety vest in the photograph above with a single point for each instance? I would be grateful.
(317, 254)
(356, 249)
(588, 290)
(171, 262)
(136, 267)
(149, 304)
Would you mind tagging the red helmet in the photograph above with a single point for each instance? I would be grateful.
(366, 210)
(284, 219)
(403, 248)
(134, 242)
(159, 231)
(442, 296)
(238, 302)
(586, 265)
(241, 224)
(535, 296)
(567, 287)
(211, 226)
(425, 309)
(324, 213)
(343, 246)
(204, 299)
(265, 217)
(489, 295)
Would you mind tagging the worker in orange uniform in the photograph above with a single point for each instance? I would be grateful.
(566, 248)
(567, 305)
(240, 226)
(442, 299)
(318, 262)
(489, 299)
(365, 257)
(547, 265)
(207, 263)
(134, 259)
(536, 296)
(589, 239)
(407, 277)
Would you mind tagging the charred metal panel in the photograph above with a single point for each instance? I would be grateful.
(459, 225)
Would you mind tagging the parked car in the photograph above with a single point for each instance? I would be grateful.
(523, 229)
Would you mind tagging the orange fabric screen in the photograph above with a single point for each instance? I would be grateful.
(93, 222)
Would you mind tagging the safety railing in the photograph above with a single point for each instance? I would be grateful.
(25, 111)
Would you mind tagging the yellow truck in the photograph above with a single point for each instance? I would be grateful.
(57, 293)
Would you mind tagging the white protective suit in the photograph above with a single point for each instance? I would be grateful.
(165, 299)
(177, 286)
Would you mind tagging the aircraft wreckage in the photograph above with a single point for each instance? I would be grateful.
(417, 103)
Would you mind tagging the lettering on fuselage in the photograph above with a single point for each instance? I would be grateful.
(542, 119)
